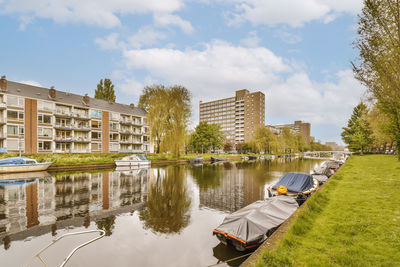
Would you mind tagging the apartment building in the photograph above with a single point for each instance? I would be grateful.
(239, 116)
(297, 127)
(40, 120)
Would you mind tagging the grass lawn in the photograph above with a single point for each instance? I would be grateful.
(353, 221)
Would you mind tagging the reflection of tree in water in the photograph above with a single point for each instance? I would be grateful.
(209, 175)
(106, 224)
(168, 202)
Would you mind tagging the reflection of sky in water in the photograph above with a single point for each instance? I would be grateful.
(156, 217)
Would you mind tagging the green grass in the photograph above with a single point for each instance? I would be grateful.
(353, 221)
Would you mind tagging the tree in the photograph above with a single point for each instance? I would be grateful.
(357, 134)
(378, 65)
(105, 90)
(228, 147)
(207, 137)
(168, 116)
(380, 127)
(264, 140)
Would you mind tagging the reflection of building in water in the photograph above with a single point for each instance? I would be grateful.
(229, 195)
(56, 199)
(238, 188)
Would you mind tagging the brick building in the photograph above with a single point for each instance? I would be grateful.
(239, 116)
(40, 120)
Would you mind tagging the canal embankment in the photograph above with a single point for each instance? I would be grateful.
(353, 220)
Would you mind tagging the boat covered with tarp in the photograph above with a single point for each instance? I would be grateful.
(296, 184)
(22, 164)
(250, 226)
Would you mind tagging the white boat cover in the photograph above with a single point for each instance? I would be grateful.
(320, 178)
(252, 222)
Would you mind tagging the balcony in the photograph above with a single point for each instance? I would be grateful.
(137, 122)
(62, 113)
(3, 106)
(63, 139)
(125, 131)
(125, 142)
(81, 140)
(82, 128)
(64, 126)
(126, 122)
(80, 116)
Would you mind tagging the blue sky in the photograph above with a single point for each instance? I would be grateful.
(297, 52)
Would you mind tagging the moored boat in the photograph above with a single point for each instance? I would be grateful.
(298, 185)
(252, 157)
(214, 159)
(196, 160)
(22, 164)
(135, 160)
(250, 226)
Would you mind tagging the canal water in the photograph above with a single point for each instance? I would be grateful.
(161, 216)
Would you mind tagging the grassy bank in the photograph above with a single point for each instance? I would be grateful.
(353, 221)
(99, 158)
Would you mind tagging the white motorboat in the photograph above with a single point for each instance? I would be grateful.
(22, 164)
(135, 160)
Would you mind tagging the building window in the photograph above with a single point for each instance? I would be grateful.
(96, 135)
(114, 146)
(114, 116)
(96, 146)
(45, 145)
(46, 132)
(15, 101)
(96, 124)
(95, 113)
(44, 118)
(15, 130)
(114, 126)
(14, 144)
(114, 137)
(15, 115)
(43, 105)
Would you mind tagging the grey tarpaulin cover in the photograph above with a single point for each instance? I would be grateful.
(295, 182)
(320, 178)
(252, 222)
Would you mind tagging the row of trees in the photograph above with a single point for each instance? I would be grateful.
(378, 65)
(368, 129)
(267, 141)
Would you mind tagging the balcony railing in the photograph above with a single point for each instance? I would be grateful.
(3, 105)
(63, 138)
(63, 113)
(126, 122)
(64, 126)
(80, 116)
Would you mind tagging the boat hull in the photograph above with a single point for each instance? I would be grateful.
(25, 168)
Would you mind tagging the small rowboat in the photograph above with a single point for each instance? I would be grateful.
(22, 164)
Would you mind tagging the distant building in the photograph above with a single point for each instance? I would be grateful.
(41, 120)
(297, 127)
(239, 116)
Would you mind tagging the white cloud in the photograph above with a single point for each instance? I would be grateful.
(219, 68)
(33, 83)
(103, 13)
(252, 40)
(292, 12)
(145, 36)
(169, 19)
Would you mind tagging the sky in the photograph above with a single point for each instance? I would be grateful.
(297, 52)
